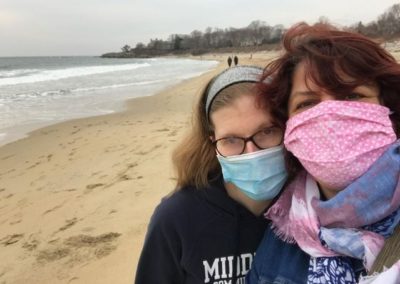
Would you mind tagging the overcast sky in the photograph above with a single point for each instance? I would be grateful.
(93, 27)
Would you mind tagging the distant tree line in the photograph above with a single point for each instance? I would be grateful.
(387, 26)
(256, 34)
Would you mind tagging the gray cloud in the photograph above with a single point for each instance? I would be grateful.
(91, 27)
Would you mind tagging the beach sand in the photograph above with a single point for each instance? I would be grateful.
(76, 197)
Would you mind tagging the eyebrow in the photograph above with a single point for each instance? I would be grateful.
(294, 96)
(303, 93)
(259, 128)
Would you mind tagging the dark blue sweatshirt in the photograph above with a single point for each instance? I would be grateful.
(199, 236)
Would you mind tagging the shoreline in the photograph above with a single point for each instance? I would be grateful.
(40, 107)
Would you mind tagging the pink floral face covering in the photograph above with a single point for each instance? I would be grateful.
(337, 141)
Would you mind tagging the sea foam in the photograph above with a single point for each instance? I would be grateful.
(24, 76)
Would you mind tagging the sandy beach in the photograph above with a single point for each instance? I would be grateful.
(76, 197)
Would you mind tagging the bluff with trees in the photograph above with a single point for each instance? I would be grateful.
(258, 35)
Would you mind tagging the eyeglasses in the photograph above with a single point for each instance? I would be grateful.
(263, 139)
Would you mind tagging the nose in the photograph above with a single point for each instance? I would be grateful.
(250, 147)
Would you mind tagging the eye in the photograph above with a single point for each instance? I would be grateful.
(229, 141)
(305, 104)
(269, 131)
(354, 97)
(268, 137)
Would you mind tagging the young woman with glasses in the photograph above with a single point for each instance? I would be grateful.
(229, 169)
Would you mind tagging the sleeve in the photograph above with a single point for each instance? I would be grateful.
(159, 261)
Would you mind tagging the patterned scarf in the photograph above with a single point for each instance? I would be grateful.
(353, 224)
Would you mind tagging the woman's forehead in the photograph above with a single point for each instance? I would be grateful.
(333, 77)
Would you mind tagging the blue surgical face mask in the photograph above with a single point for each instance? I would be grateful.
(260, 175)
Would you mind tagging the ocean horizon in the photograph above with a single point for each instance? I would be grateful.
(40, 91)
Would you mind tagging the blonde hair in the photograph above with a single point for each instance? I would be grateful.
(194, 159)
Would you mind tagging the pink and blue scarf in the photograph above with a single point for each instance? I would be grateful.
(353, 224)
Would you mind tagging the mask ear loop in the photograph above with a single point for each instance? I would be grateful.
(391, 112)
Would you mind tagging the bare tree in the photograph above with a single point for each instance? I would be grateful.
(389, 22)
(126, 48)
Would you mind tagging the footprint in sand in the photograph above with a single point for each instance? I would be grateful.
(124, 177)
(173, 133)
(161, 130)
(7, 157)
(68, 223)
(51, 255)
(90, 187)
(9, 196)
(88, 229)
(94, 185)
(80, 248)
(73, 279)
(15, 222)
(115, 148)
(34, 165)
(142, 153)
(52, 209)
(11, 239)
(76, 131)
(132, 165)
(31, 245)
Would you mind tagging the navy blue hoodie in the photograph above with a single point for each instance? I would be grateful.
(199, 236)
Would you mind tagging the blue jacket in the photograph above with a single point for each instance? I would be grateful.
(278, 262)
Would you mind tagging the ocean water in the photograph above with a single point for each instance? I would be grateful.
(39, 91)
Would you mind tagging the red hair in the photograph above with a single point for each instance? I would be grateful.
(329, 53)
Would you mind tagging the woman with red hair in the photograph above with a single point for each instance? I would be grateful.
(339, 94)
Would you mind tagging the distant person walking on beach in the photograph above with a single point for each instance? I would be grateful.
(236, 60)
(229, 61)
(229, 168)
